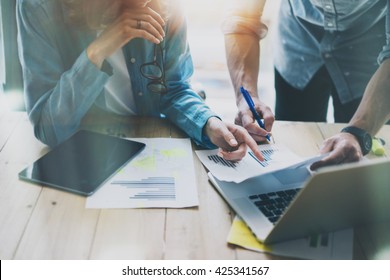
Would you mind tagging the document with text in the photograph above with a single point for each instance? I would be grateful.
(161, 176)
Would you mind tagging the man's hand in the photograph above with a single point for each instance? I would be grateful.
(231, 139)
(343, 148)
(246, 119)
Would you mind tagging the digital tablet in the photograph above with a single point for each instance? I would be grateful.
(82, 163)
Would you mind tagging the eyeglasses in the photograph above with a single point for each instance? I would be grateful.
(155, 73)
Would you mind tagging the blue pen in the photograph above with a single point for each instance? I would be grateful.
(251, 105)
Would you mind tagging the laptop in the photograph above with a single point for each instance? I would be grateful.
(294, 202)
(82, 163)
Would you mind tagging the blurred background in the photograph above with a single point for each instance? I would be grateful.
(11, 97)
(208, 52)
(207, 46)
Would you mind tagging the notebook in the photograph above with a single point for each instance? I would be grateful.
(81, 163)
(293, 202)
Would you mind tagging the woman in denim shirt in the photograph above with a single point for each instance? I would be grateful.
(79, 53)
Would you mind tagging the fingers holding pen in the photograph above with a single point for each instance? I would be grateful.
(268, 116)
(251, 110)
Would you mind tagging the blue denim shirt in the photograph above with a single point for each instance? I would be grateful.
(344, 35)
(61, 84)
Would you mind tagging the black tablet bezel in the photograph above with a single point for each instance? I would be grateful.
(82, 163)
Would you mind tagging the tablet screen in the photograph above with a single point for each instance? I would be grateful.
(82, 163)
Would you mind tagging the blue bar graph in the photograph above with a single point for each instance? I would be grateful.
(151, 188)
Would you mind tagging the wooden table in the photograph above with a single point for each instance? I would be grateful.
(42, 223)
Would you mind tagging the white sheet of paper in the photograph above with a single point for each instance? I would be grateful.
(276, 157)
(161, 176)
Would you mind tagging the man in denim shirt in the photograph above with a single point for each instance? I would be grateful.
(323, 48)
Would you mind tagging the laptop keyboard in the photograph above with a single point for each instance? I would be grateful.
(273, 204)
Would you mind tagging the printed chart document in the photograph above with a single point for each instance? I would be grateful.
(336, 245)
(275, 157)
(162, 175)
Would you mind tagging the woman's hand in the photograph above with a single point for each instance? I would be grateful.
(129, 24)
(231, 139)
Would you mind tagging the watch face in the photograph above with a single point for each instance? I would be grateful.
(364, 138)
(367, 143)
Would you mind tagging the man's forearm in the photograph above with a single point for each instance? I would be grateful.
(374, 109)
(242, 53)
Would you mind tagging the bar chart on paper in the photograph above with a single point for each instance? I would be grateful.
(151, 188)
(275, 157)
(162, 175)
(219, 160)
(267, 153)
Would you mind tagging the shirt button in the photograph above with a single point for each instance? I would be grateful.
(329, 24)
(132, 60)
(140, 94)
(327, 55)
(328, 7)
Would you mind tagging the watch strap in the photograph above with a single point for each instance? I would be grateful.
(360, 134)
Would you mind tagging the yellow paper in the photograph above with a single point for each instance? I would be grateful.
(340, 245)
(242, 236)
